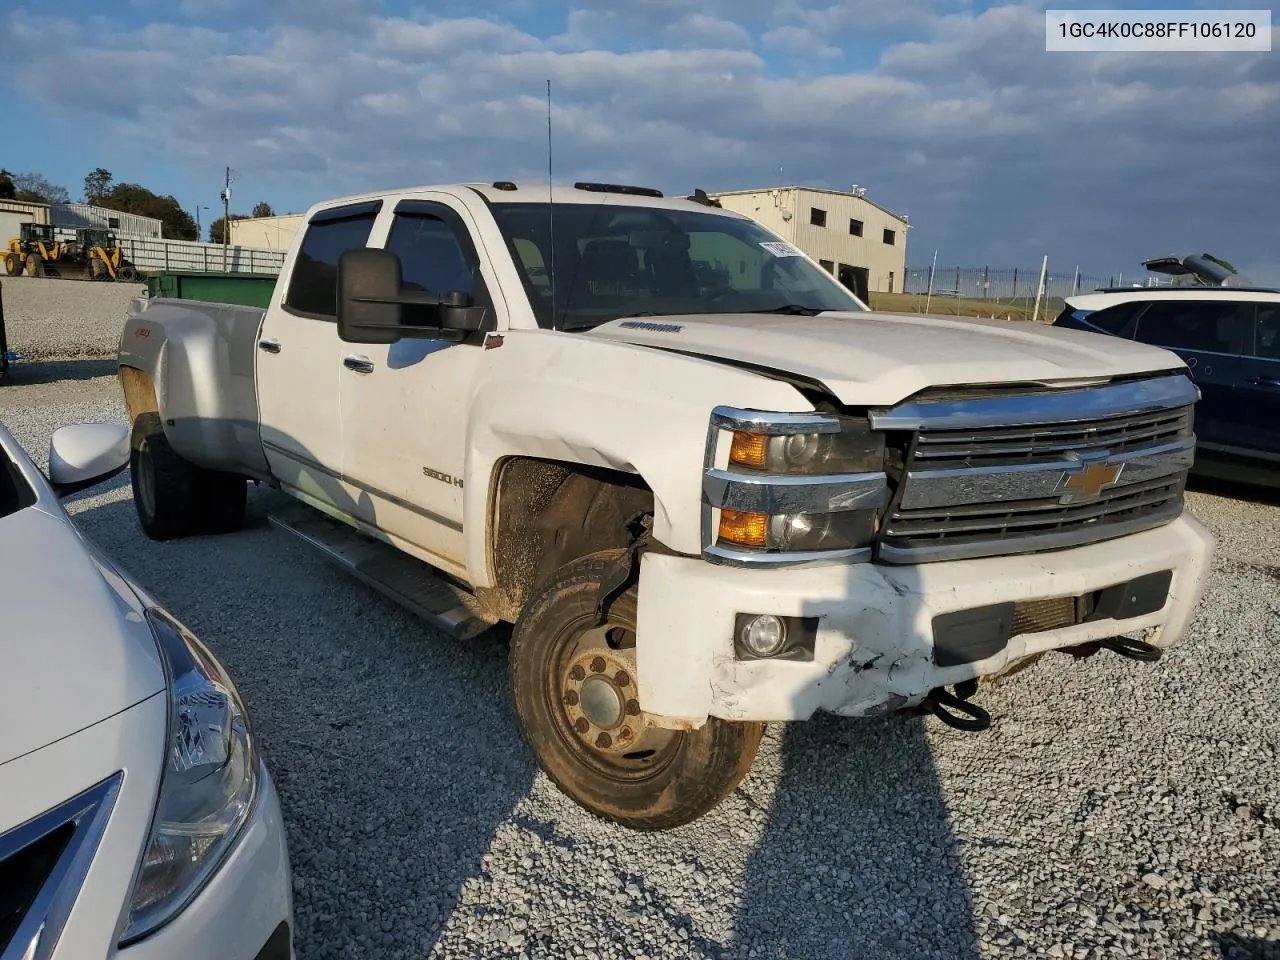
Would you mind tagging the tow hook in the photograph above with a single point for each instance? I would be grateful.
(1133, 648)
(627, 569)
(967, 716)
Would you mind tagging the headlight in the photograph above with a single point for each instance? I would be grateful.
(808, 485)
(797, 531)
(847, 446)
(207, 789)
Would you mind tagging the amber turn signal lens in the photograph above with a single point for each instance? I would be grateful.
(741, 527)
(749, 450)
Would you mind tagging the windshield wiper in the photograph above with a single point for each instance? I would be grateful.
(792, 310)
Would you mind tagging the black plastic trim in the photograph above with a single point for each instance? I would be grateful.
(617, 188)
(350, 211)
(1137, 598)
(279, 945)
(967, 636)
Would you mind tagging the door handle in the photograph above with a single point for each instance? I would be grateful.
(358, 364)
(270, 346)
(1265, 382)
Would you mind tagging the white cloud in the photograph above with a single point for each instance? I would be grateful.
(799, 42)
(996, 148)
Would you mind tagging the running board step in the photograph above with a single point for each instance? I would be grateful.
(402, 578)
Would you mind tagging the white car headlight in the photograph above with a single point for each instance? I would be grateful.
(208, 787)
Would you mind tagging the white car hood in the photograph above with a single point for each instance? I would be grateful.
(878, 359)
(74, 647)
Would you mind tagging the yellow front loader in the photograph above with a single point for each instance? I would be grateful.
(34, 251)
(102, 257)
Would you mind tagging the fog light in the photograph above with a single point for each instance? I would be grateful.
(764, 635)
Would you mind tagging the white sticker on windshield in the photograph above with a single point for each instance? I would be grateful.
(780, 248)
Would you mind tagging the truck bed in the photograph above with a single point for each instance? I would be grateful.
(200, 360)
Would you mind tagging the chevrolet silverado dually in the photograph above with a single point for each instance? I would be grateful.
(708, 487)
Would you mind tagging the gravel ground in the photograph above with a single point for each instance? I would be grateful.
(65, 318)
(1114, 809)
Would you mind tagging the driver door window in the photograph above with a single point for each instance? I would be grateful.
(432, 257)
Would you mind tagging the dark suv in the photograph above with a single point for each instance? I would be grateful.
(1230, 340)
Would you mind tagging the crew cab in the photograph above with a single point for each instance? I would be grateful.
(705, 484)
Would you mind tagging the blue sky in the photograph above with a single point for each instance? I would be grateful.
(949, 111)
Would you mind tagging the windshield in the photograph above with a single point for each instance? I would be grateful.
(15, 494)
(616, 261)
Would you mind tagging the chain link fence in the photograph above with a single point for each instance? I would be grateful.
(1015, 283)
(1006, 292)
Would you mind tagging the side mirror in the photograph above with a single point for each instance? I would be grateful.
(85, 455)
(371, 298)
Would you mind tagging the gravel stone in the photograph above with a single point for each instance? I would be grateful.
(47, 318)
(419, 826)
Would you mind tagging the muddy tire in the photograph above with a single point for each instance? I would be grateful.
(175, 498)
(35, 265)
(12, 265)
(575, 695)
(127, 273)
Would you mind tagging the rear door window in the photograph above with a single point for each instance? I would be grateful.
(313, 286)
(1199, 326)
(1266, 344)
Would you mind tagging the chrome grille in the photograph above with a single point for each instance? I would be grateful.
(1026, 444)
(1064, 468)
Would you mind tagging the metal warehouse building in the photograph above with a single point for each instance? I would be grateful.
(76, 216)
(14, 213)
(860, 242)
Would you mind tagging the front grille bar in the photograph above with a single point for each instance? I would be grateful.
(1057, 407)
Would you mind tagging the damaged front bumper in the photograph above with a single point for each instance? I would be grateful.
(884, 636)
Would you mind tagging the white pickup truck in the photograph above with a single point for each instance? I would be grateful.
(707, 487)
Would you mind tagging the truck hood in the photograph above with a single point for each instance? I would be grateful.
(877, 359)
(74, 647)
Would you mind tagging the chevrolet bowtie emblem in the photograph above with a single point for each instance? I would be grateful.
(1089, 480)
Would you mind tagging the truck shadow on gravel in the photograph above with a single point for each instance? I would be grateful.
(865, 796)
(395, 750)
(1235, 947)
(398, 759)
(31, 372)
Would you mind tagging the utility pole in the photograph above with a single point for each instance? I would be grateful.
(226, 218)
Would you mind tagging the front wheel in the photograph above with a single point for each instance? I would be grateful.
(575, 692)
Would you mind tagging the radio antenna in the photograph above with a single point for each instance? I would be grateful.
(551, 217)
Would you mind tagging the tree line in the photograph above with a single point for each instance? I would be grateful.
(101, 190)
